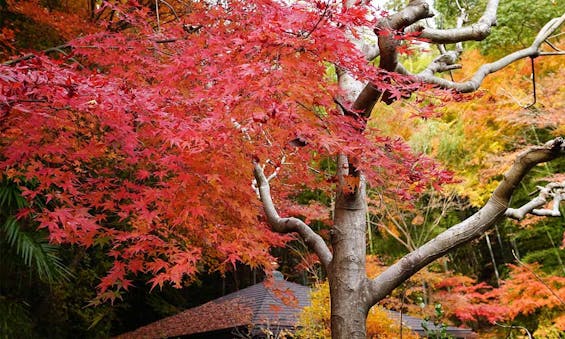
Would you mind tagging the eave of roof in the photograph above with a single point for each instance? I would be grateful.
(276, 303)
(273, 304)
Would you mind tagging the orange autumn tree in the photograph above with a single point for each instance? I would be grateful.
(458, 138)
(143, 141)
(527, 293)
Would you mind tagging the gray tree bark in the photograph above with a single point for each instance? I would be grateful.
(346, 272)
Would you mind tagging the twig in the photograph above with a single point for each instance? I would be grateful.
(171, 8)
(538, 278)
(324, 13)
(553, 189)
(515, 327)
(157, 12)
(552, 45)
(33, 55)
(533, 83)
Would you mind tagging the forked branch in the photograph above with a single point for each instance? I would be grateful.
(477, 31)
(407, 21)
(554, 191)
(288, 225)
(475, 82)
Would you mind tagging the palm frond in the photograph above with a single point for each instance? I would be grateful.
(31, 246)
(34, 250)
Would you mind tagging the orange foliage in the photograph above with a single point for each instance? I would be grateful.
(7, 40)
(409, 298)
(506, 91)
(479, 304)
(524, 293)
(560, 322)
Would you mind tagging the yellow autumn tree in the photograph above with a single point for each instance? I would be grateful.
(476, 138)
(314, 320)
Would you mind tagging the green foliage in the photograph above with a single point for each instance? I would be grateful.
(23, 241)
(39, 295)
(395, 5)
(449, 11)
(518, 23)
(451, 144)
(540, 243)
(15, 321)
(439, 331)
(68, 313)
(548, 329)
(34, 251)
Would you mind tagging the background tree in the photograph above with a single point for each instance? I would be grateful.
(140, 143)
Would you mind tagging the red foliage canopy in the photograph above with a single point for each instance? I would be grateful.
(145, 147)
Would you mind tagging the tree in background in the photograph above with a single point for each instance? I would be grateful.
(141, 142)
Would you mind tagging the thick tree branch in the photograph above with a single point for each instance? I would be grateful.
(289, 225)
(388, 44)
(417, 10)
(388, 27)
(477, 31)
(467, 230)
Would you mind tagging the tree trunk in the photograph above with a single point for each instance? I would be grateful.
(347, 278)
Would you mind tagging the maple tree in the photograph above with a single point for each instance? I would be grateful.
(141, 141)
(525, 293)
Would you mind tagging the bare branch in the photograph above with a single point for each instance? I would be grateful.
(443, 63)
(32, 55)
(551, 53)
(475, 82)
(417, 10)
(447, 60)
(289, 225)
(469, 229)
(171, 8)
(552, 190)
(522, 328)
(477, 31)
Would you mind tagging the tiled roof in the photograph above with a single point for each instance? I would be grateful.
(275, 304)
(415, 324)
(268, 304)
